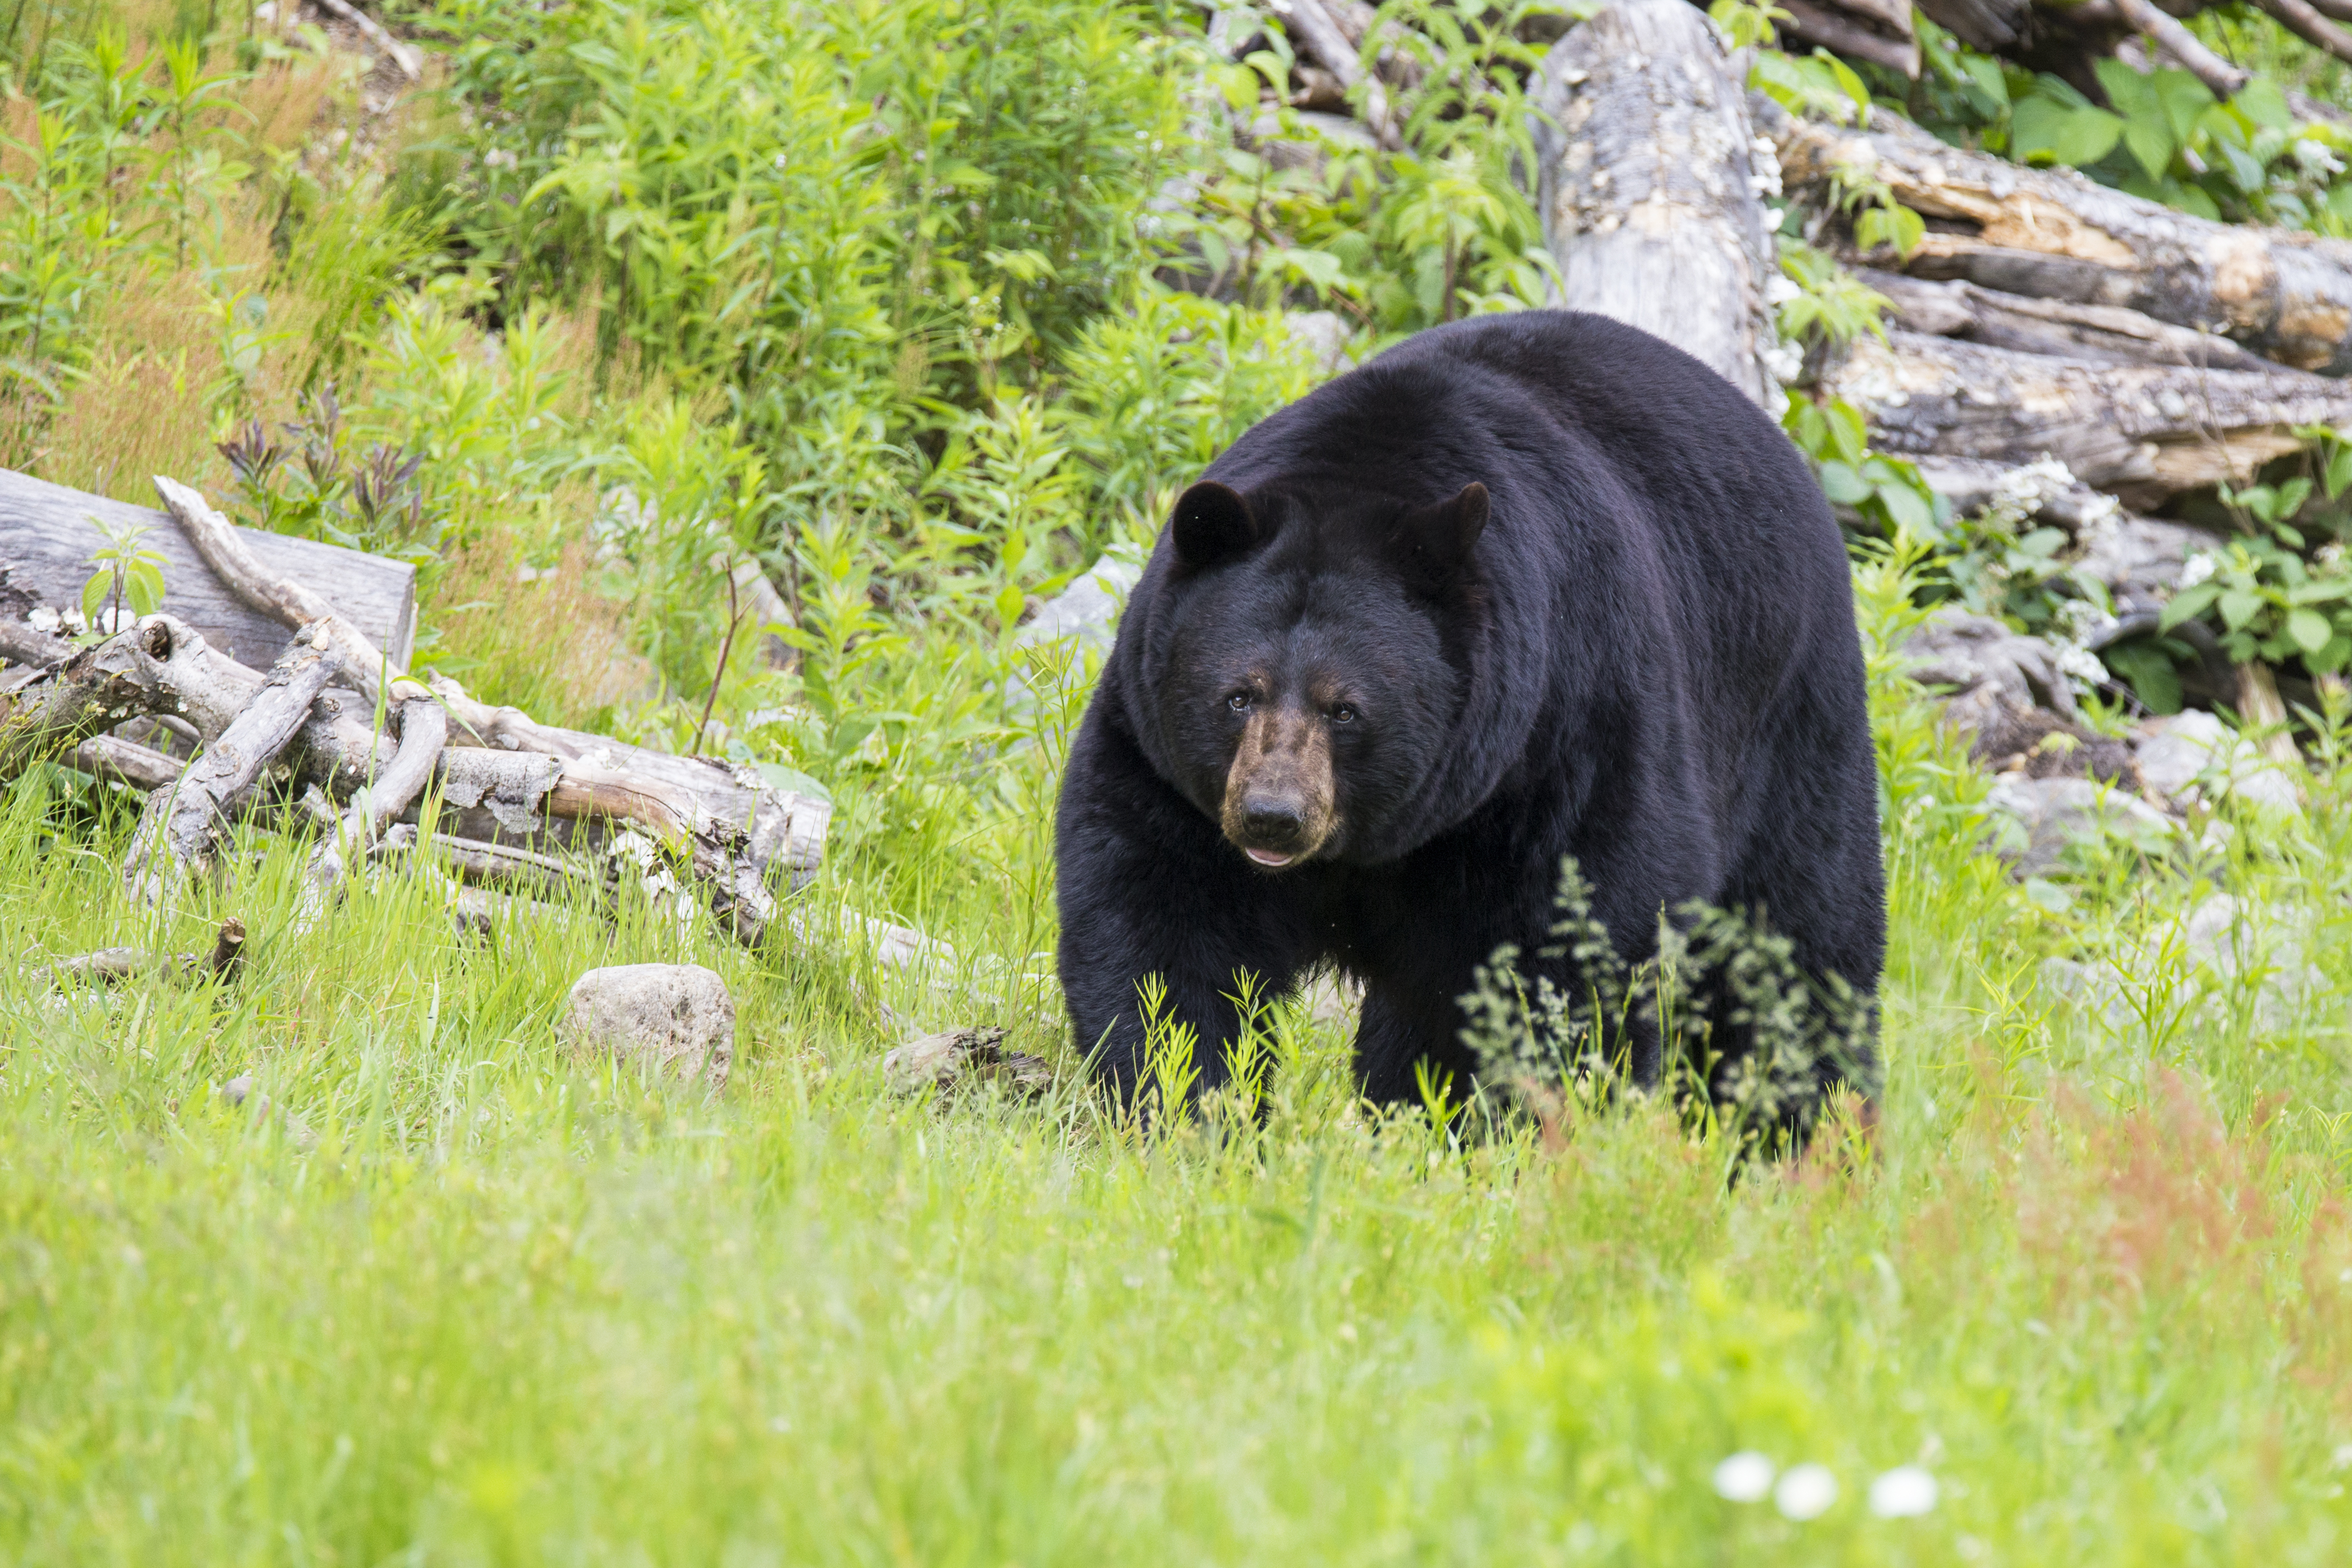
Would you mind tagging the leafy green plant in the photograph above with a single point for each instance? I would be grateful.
(1823, 302)
(128, 583)
(1887, 493)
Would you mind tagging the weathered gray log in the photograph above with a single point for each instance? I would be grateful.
(2284, 295)
(406, 56)
(126, 762)
(46, 539)
(1991, 26)
(21, 643)
(424, 731)
(2304, 20)
(1649, 203)
(284, 599)
(1852, 28)
(162, 666)
(179, 825)
(1315, 27)
(2089, 334)
(2140, 433)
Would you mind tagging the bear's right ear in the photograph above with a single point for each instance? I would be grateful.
(1213, 523)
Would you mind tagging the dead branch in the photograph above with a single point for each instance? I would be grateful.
(2305, 22)
(410, 62)
(290, 603)
(177, 829)
(1314, 26)
(126, 762)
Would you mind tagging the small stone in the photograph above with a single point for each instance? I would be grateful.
(2195, 750)
(237, 1088)
(676, 1020)
(945, 1061)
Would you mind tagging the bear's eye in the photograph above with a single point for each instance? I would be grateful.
(1343, 714)
(1239, 702)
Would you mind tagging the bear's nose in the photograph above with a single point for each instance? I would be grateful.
(1271, 820)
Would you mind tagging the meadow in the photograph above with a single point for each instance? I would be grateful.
(880, 297)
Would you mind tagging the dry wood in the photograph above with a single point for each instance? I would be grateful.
(126, 762)
(1991, 26)
(2284, 295)
(2303, 20)
(1838, 29)
(2141, 433)
(2219, 75)
(406, 56)
(424, 730)
(1312, 26)
(47, 534)
(179, 825)
(24, 644)
(163, 666)
(1649, 203)
(286, 600)
(2089, 334)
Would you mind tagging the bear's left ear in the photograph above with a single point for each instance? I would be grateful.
(1433, 544)
(1212, 524)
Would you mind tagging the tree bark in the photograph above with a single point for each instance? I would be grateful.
(48, 532)
(2140, 433)
(177, 829)
(2283, 294)
(2087, 334)
(1650, 205)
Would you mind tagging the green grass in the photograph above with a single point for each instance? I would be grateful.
(489, 1304)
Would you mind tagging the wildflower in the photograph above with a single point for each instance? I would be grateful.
(1906, 1491)
(1806, 1492)
(2315, 160)
(1745, 1477)
(2196, 569)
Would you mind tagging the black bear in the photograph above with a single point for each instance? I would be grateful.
(1524, 587)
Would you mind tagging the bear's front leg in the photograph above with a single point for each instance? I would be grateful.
(1150, 888)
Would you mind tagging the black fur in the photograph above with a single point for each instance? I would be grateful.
(1639, 652)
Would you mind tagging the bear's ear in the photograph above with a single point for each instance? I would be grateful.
(1212, 524)
(1433, 544)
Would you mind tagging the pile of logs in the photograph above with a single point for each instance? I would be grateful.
(334, 738)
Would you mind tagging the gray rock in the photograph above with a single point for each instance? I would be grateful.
(1088, 608)
(2194, 756)
(2140, 560)
(674, 1019)
(2055, 812)
(2217, 949)
(1325, 335)
(1986, 665)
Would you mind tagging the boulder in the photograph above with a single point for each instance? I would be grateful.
(2193, 755)
(2052, 813)
(1985, 666)
(675, 1020)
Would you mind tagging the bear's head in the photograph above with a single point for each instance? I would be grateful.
(1308, 680)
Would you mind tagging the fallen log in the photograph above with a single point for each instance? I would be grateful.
(2089, 334)
(2141, 433)
(180, 824)
(48, 533)
(2282, 294)
(1863, 32)
(126, 762)
(1309, 23)
(1649, 203)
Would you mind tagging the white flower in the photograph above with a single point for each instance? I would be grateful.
(2081, 664)
(1745, 1477)
(499, 158)
(2199, 567)
(2315, 160)
(1806, 1492)
(1778, 290)
(1906, 1491)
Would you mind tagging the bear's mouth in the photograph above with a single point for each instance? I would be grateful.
(1272, 860)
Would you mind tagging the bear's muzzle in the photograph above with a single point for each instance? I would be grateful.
(1280, 796)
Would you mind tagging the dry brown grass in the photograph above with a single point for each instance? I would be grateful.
(554, 642)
